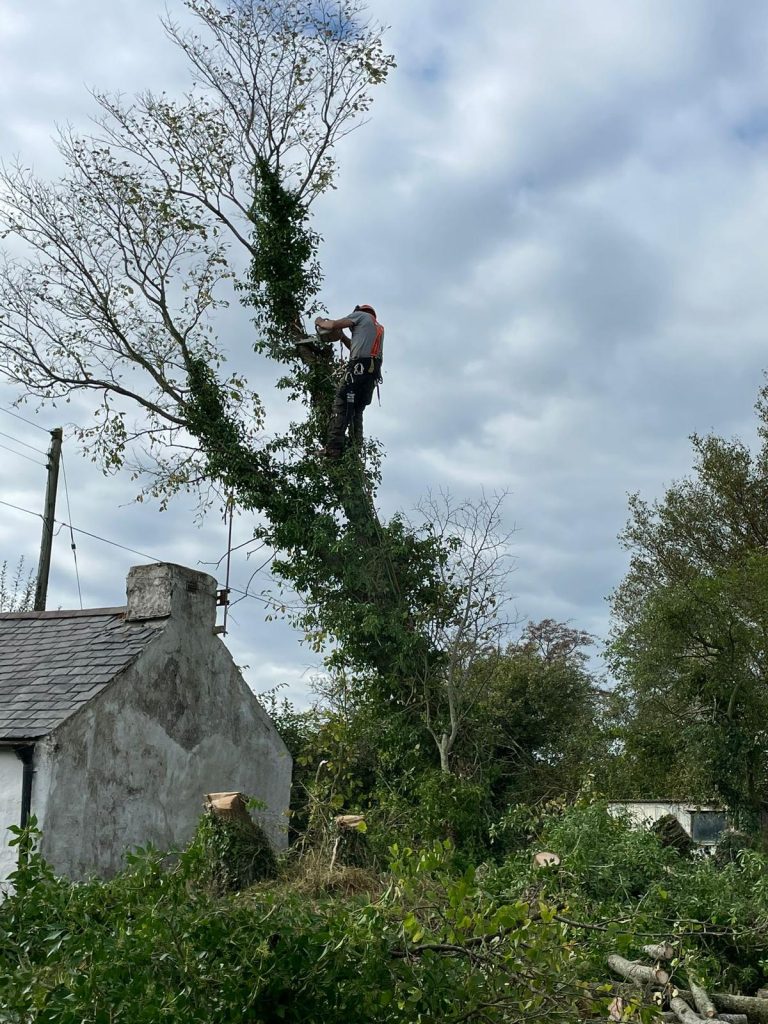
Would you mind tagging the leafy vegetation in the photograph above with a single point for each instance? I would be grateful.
(689, 640)
(154, 944)
(463, 747)
(428, 940)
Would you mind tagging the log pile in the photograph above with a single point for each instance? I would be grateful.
(692, 1005)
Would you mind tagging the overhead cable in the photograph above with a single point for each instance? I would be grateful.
(71, 533)
(18, 440)
(21, 455)
(23, 419)
(123, 547)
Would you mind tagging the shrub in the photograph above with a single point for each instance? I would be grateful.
(434, 807)
(153, 945)
(731, 845)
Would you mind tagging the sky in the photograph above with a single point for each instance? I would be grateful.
(559, 209)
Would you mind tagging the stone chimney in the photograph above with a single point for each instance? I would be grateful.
(164, 590)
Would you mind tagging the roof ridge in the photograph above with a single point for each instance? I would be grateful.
(65, 613)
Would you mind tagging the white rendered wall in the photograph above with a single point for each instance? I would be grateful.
(10, 807)
(647, 813)
(132, 766)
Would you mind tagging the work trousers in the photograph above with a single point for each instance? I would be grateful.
(354, 394)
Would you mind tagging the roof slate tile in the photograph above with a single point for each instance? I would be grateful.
(50, 667)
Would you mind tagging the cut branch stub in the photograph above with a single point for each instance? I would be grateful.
(638, 973)
(347, 822)
(616, 1009)
(545, 859)
(660, 951)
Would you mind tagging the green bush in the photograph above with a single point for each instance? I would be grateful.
(433, 807)
(627, 889)
(610, 861)
(731, 845)
(435, 942)
(153, 945)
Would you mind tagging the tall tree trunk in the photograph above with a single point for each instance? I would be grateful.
(444, 746)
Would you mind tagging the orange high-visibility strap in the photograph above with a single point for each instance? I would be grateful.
(376, 346)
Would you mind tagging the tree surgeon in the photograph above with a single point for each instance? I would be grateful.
(361, 375)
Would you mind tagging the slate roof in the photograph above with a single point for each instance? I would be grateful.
(51, 663)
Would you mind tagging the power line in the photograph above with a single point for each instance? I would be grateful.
(86, 533)
(20, 509)
(133, 551)
(71, 534)
(21, 455)
(18, 440)
(23, 419)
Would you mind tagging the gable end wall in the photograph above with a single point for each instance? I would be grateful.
(133, 765)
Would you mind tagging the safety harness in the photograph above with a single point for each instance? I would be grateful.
(355, 369)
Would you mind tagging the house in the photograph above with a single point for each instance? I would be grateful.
(702, 822)
(114, 723)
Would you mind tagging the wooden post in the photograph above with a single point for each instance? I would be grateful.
(49, 512)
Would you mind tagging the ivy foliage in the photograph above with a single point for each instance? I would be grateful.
(233, 853)
(284, 275)
(162, 212)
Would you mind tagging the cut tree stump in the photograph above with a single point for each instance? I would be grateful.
(229, 806)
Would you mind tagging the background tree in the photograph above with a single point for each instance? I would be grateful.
(531, 736)
(537, 726)
(17, 588)
(690, 634)
(467, 623)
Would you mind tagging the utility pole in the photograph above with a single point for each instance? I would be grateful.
(49, 512)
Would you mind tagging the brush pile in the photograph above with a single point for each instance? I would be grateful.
(654, 985)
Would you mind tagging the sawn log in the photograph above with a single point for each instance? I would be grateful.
(639, 973)
(683, 1012)
(755, 1009)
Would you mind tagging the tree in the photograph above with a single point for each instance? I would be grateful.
(132, 251)
(17, 591)
(690, 629)
(537, 722)
(466, 624)
(167, 212)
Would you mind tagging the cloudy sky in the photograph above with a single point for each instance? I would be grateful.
(559, 209)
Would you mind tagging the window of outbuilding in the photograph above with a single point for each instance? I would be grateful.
(706, 826)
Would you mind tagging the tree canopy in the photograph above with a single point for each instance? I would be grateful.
(690, 629)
